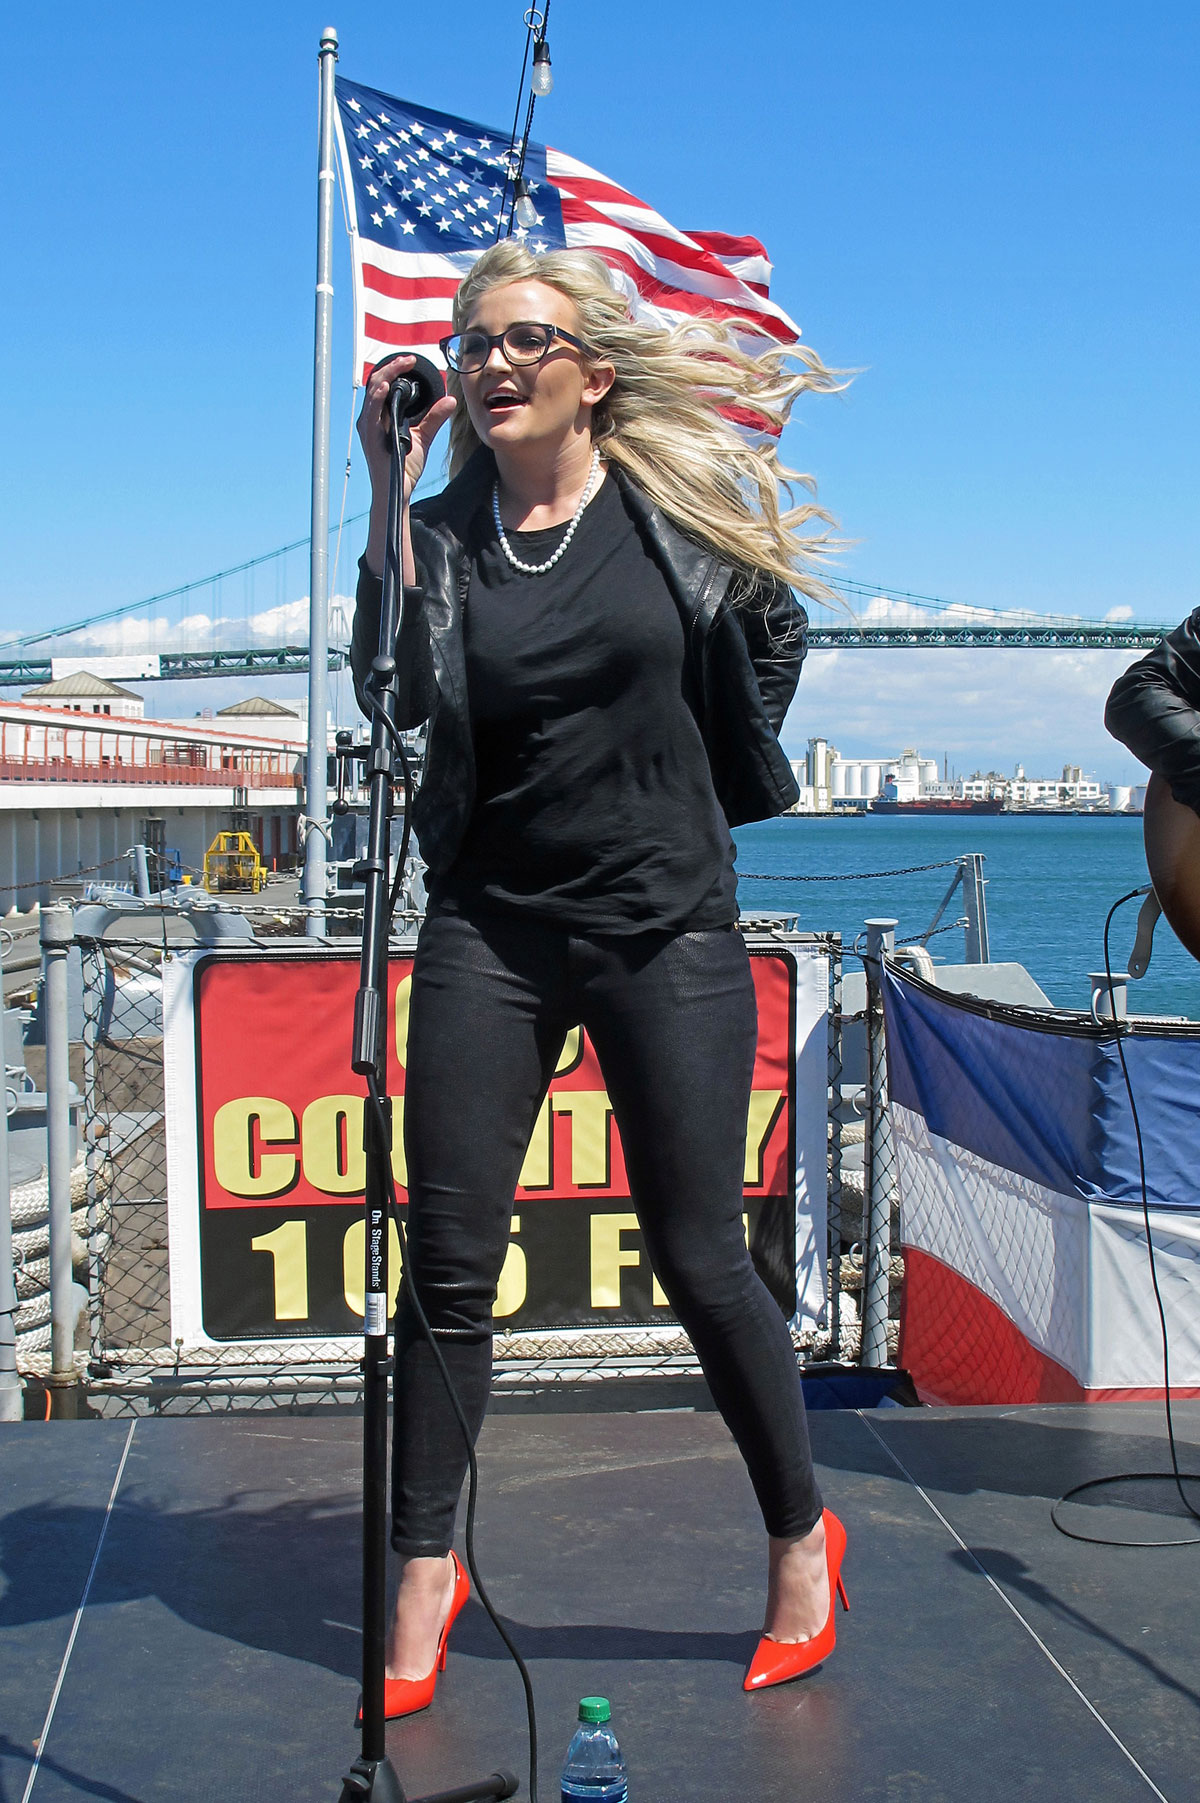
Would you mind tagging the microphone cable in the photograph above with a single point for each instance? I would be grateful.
(1137, 1477)
(383, 1128)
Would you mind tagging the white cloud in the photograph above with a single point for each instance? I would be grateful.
(284, 624)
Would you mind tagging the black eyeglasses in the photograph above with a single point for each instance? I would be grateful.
(523, 343)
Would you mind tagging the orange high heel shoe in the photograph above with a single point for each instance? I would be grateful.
(775, 1661)
(405, 1696)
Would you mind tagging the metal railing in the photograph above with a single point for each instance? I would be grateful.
(968, 876)
(109, 770)
(881, 1190)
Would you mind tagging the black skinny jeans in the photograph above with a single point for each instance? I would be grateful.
(674, 1025)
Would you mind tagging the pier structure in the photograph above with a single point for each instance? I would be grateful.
(79, 788)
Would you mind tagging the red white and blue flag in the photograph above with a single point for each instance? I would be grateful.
(427, 193)
(1025, 1270)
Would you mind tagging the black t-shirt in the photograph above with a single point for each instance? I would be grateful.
(595, 806)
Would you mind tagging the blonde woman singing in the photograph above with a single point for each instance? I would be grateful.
(601, 633)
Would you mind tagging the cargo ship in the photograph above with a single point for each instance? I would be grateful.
(937, 804)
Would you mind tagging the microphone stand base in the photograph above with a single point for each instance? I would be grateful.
(373, 1779)
(376, 1781)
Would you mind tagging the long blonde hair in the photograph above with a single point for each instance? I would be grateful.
(660, 421)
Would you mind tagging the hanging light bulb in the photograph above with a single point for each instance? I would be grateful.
(542, 79)
(526, 211)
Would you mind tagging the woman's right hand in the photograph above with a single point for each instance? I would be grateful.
(373, 430)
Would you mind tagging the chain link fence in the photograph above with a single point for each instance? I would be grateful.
(120, 1189)
(125, 1152)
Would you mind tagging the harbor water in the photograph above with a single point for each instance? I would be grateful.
(1050, 883)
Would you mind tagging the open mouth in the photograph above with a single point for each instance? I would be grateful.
(503, 401)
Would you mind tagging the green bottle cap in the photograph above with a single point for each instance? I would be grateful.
(594, 1709)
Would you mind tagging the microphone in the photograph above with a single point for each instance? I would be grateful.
(414, 393)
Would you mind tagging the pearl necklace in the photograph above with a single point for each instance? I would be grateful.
(539, 569)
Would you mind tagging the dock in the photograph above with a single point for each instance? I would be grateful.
(180, 1607)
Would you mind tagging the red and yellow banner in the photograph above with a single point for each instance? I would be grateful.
(281, 1167)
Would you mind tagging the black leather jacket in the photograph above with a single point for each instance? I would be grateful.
(746, 660)
(1154, 708)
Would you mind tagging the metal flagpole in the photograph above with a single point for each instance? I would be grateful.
(316, 792)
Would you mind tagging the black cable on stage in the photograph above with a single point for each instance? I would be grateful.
(422, 1319)
(1137, 1477)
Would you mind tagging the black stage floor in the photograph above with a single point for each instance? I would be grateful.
(986, 1657)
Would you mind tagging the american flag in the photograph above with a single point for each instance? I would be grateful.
(427, 193)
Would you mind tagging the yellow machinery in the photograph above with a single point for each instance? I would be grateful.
(232, 862)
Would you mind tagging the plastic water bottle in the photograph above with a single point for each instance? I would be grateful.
(595, 1768)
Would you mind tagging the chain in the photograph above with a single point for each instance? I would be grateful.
(283, 909)
(845, 876)
(954, 926)
(70, 876)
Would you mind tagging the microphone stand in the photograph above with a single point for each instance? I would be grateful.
(372, 1775)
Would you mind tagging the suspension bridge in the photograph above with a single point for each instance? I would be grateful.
(252, 620)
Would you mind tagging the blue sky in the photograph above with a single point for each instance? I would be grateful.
(990, 212)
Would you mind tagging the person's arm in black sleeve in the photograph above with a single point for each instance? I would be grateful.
(414, 667)
(776, 629)
(1154, 709)
(415, 686)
